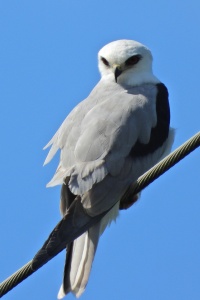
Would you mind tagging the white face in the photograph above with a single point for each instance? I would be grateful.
(126, 62)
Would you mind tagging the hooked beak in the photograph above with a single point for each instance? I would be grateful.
(118, 71)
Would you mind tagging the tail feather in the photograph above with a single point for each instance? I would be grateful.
(80, 256)
(74, 224)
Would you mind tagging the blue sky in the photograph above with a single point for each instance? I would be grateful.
(48, 63)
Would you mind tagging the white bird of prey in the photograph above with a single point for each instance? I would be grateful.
(108, 140)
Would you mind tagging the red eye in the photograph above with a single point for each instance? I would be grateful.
(133, 60)
(105, 61)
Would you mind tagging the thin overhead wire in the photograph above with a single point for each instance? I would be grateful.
(142, 182)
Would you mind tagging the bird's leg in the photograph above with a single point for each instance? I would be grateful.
(128, 202)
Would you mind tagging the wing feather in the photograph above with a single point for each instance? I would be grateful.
(98, 135)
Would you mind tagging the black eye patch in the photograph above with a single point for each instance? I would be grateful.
(105, 61)
(133, 60)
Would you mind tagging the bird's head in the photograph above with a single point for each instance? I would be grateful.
(127, 62)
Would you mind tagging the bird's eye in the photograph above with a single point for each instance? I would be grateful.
(133, 60)
(105, 61)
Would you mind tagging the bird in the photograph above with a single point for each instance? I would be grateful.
(108, 140)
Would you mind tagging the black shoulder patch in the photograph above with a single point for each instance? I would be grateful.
(159, 133)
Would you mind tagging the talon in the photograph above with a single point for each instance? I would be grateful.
(129, 202)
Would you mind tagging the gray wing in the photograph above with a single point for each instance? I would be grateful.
(97, 137)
